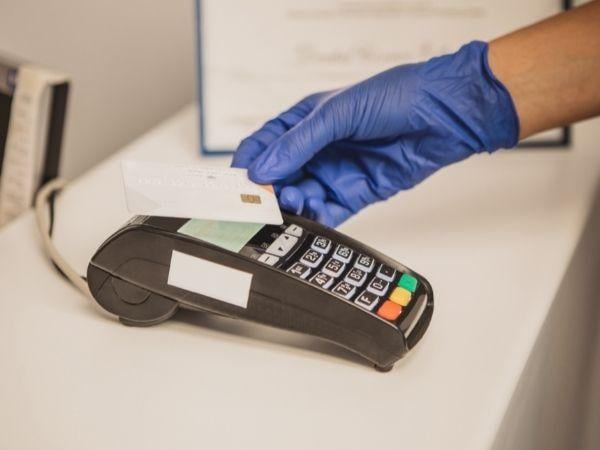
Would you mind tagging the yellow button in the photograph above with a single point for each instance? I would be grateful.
(400, 296)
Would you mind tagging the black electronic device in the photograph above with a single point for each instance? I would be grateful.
(305, 277)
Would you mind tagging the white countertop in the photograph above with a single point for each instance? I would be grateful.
(494, 236)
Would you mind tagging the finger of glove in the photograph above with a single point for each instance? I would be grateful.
(292, 197)
(292, 180)
(293, 149)
(310, 187)
(327, 213)
(257, 142)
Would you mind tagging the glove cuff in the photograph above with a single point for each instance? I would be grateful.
(511, 121)
(479, 107)
(500, 120)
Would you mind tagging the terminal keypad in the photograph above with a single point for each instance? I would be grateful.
(353, 276)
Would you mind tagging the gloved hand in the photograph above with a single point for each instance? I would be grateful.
(336, 152)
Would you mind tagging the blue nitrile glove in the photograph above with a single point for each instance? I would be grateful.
(336, 152)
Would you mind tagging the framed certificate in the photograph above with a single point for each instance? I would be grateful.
(257, 58)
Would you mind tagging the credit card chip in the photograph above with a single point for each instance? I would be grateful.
(251, 198)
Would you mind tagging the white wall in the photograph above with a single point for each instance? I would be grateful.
(132, 64)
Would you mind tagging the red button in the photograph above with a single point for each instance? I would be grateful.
(389, 310)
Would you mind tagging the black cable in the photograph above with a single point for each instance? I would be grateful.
(51, 212)
(44, 211)
(51, 199)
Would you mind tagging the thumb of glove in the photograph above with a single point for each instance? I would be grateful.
(293, 149)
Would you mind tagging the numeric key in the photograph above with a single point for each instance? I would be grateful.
(344, 290)
(322, 280)
(343, 253)
(311, 258)
(356, 277)
(378, 286)
(365, 262)
(321, 244)
(299, 270)
(333, 268)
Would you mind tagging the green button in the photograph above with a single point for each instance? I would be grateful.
(408, 282)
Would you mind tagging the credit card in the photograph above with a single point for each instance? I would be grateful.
(191, 191)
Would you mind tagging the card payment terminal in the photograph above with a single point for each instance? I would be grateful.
(303, 277)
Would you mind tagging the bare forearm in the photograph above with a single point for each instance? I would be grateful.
(552, 69)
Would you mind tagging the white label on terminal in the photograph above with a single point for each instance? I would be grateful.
(210, 279)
